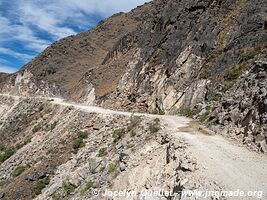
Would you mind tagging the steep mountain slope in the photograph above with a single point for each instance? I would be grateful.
(56, 70)
(204, 59)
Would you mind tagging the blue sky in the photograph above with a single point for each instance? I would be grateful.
(27, 27)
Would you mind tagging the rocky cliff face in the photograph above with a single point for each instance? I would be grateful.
(242, 110)
(185, 49)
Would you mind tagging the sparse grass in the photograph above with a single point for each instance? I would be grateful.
(68, 187)
(86, 187)
(154, 127)
(236, 71)
(52, 151)
(215, 97)
(54, 196)
(25, 142)
(227, 86)
(188, 112)
(40, 185)
(228, 21)
(117, 134)
(19, 170)
(6, 154)
(112, 167)
(102, 152)
(249, 53)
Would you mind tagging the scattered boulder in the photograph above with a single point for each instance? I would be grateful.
(34, 176)
(2, 195)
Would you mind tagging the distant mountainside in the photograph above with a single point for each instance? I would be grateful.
(167, 56)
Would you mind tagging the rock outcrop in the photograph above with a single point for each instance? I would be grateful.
(242, 110)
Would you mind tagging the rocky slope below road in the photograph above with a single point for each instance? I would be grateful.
(60, 150)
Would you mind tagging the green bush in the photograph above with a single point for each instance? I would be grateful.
(102, 152)
(3, 183)
(112, 167)
(40, 185)
(154, 127)
(82, 135)
(86, 187)
(6, 154)
(78, 142)
(19, 170)
(117, 134)
(68, 187)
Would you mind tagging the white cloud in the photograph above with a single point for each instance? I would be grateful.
(12, 32)
(45, 19)
(35, 24)
(53, 17)
(10, 52)
(106, 8)
(7, 69)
